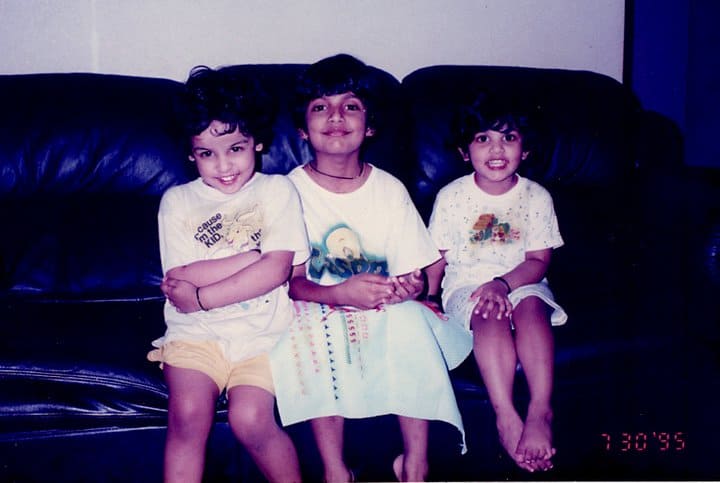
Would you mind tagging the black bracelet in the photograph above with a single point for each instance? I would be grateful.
(434, 298)
(197, 296)
(504, 282)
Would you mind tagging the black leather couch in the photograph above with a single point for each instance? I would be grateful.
(84, 159)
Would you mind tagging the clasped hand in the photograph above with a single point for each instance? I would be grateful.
(369, 291)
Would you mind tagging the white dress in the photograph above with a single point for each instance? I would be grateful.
(362, 363)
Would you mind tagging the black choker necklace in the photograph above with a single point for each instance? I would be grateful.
(362, 168)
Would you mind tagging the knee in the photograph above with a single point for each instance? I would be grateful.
(531, 311)
(189, 417)
(251, 422)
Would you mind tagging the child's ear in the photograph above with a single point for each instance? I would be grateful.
(525, 155)
(259, 147)
(465, 156)
(303, 135)
(191, 158)
(369, 132)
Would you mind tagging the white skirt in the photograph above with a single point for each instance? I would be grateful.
(339, 361)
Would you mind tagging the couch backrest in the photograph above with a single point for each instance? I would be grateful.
(586, 159)
(85, 158)
(386, 149)
(585, 124)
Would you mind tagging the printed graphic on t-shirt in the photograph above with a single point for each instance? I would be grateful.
(341, 255)
(489, 229)
(240, 231)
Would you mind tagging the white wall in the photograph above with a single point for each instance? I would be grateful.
(165, 38)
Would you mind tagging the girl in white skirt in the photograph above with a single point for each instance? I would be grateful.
(361, 345)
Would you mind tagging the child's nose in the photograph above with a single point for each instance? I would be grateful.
(336, 113)
(496, 147)
(223, 164)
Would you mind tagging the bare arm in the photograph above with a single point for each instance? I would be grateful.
(270, 271)
(205, 272)
(364, 291)
(435, 273)
(532, 270)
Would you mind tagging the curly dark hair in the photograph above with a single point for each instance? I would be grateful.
(335, 75)
(220, 95)
(491, 111)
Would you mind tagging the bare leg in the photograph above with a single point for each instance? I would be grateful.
(494, 350)
(329, 439)
(191, 408)
(535, 348)
(253, 422)
(412, 465)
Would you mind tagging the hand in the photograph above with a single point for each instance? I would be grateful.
(365, 291)
(407, 287)
(492, 295)
(180, 294)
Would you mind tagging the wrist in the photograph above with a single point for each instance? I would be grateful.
(504, 282)
(197, 296)
(434, 298)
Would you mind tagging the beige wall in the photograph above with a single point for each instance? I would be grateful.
(165, 38)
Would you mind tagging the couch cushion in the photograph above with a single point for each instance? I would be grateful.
(84, 161)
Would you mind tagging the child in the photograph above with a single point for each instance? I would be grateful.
(496, 231)
(360, 346)
(227, 243)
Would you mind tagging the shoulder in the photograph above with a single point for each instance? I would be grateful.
(387, 181)
(273, 184)
(298, 177)
(175, 193)
(296, 173)
(534, 188)
(457, 185)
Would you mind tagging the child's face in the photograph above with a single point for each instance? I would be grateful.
(495, 157)
(336, 124)
(225, 160)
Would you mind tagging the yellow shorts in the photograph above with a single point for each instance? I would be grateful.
(208, 358)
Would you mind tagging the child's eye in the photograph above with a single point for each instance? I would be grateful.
(204, 154)
(317, 108)
(236, 149)
(510, 137)
(353, 107)
(481, 138)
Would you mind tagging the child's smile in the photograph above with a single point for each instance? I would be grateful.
(497, 163)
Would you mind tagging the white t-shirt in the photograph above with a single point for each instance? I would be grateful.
(197, 222)
(374, 229)
(486, 235)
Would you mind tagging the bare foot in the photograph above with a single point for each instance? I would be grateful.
(398, 466)
(535, 444)
(510, 429)
(416, 472)
(339, 475)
